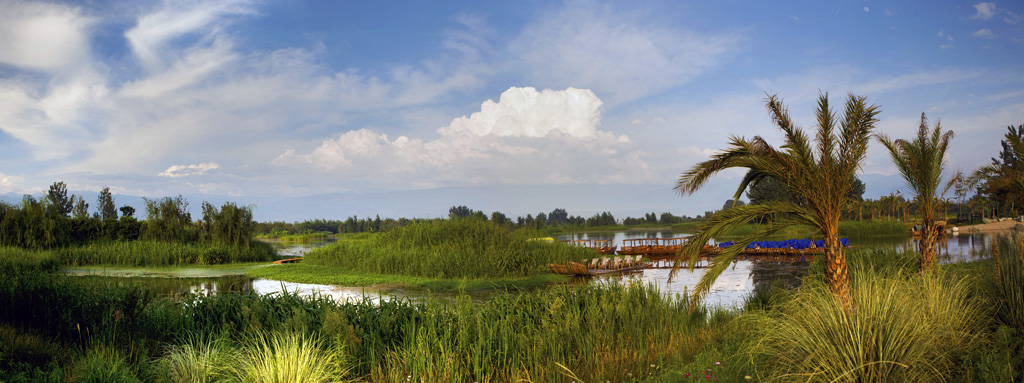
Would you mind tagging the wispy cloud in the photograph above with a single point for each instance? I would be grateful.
(984, 33)
(985, 11)
(176, 171)
(620, 55)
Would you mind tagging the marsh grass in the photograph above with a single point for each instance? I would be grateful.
(199, 360)
(902, 327)
(1007, 285)
(285, 358)
(103, 364)
(160, 253)
(340, 276)
(457, 248)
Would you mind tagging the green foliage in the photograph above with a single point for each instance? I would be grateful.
(285, 358)
(871, 228)
(159, 253)
(59, 201)
(198, 360)
(231, 225)
(104, 365)
(821, 177)
(899, 327)
(168, 219)
(1007, 285)
(81, 209)
(35, 225)
(458, 248)
(105, 205)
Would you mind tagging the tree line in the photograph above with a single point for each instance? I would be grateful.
(59, 220)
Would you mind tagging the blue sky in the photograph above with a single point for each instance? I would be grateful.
(285, 103)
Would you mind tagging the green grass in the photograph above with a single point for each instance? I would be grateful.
(297, 237)
(447, 249)
(159, 253)
(328, 275)
(869, 228)
(902, 328)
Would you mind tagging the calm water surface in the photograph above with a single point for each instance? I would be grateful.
(730, 290)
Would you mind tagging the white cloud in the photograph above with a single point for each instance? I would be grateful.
(866, 9)
(985, 11)
(9, 183)
(637, 122)
(189, 170)
(42, 36)
(154, 31)
(889, 13)
(984, 33)
(621, 56)
(528, 136)
(947, 46)
(526, 112)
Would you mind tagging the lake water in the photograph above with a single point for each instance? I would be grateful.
(730, 290)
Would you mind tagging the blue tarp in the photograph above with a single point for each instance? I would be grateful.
(798, 244)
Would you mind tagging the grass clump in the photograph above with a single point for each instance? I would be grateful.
(160, 253)
(285, 358)
(1007, 284)
(102, 364)
(198, 360)
(456, 248)
(900, 328)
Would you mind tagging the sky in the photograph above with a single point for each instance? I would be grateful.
(328, 109)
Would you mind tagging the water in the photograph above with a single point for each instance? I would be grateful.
(744, 277)
(729, 291)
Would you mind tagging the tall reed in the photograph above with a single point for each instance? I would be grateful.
(457, 248)
(159, 253)
(1008, 283)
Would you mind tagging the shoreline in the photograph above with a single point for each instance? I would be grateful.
(991, 227)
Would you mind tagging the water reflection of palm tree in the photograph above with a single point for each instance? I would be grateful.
(821, 176)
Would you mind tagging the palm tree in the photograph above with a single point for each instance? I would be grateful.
(921, 162)
(821, 177)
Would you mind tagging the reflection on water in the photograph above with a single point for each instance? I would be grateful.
(298, 249)
(744, 277)
(729, 291)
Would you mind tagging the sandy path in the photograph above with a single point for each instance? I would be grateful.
(991, 226)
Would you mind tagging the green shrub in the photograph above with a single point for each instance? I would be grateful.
(103, 365)
(286, 358)
(900, 328)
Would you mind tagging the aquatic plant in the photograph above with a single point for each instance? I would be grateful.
(457, 248)
(161, 253)
(286, 358)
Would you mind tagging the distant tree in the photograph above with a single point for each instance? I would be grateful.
(857, 189)
(459, 212)
(168, 219)
(1002, 181)
(127, 211)
(730, 203)
(59, 201)
(543, 218)
(81, 209)
(105, 204)
(500, 218)
(558, 217)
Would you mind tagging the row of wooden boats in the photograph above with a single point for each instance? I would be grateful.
(652, 247)
(600, 266)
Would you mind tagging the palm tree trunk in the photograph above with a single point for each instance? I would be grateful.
(836, 273)
(928, 237)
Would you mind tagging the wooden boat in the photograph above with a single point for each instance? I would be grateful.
(638, 246)
(289, 260)
(604, 246)
(574, 268)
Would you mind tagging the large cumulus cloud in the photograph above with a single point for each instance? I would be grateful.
(527, 136)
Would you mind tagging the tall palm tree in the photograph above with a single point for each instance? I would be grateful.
(822, 176)
(921, 163)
